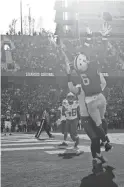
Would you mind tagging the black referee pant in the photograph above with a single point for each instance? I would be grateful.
(43, 126)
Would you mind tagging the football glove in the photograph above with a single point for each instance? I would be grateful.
(106, 29)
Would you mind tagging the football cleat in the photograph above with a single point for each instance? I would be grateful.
(97, 167)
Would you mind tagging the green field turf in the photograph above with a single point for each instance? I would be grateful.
(33, 166)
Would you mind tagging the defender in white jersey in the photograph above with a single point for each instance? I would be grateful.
(72, 113)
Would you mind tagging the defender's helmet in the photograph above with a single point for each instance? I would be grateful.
(70, 97)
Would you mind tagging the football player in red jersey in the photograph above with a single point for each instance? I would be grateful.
(88, 124)
(93, 84)
(93, 130)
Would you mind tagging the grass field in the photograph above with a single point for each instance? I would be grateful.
(27, 162)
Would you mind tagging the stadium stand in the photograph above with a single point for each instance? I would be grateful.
(36, 54)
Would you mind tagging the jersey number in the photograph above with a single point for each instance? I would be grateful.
(73, 112)
(86, 80)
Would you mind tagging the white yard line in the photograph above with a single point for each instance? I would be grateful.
(116, 138)
(84, 148)
(27, 148)
(34, 143)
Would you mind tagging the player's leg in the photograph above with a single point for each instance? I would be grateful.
(102, 109)
(105, 127)
(89, 127)
(73, 132)
(9, 127)
(40, 129)
(64, 130)
(95, 115)
(5, 128)
(79, 126)
(93, 109)
(87, 124)
(47, 128)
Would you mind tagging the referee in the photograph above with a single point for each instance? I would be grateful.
(45, 124)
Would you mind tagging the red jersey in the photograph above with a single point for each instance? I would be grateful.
(90, 81)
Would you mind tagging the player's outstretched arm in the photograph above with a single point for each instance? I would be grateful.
(105, 32)
(87, 45)
(75, 90)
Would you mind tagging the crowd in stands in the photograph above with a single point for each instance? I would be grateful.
(31, 100)
(115, 107)
(37, 53)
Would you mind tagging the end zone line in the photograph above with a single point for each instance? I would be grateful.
(27, 148)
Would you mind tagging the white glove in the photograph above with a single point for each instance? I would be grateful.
(106, 29)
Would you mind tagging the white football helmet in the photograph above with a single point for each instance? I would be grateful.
(70, 97)
(81, 63)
